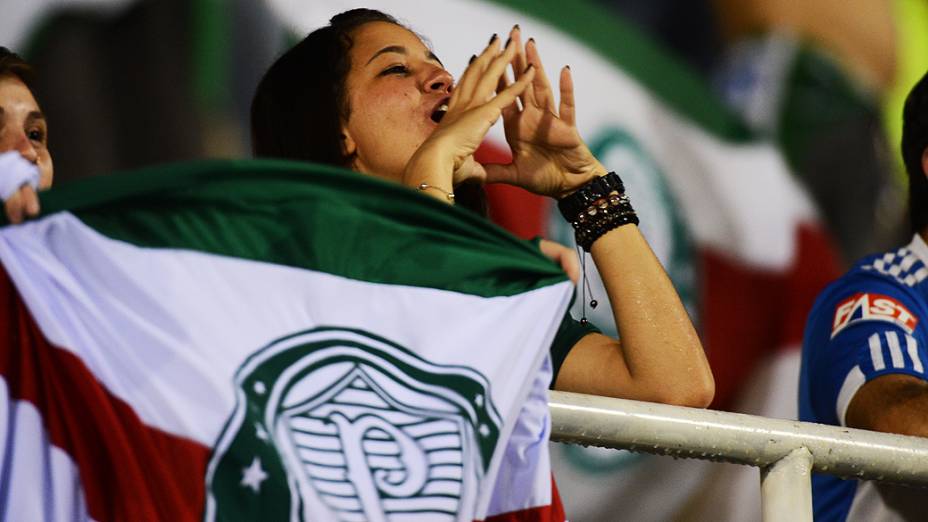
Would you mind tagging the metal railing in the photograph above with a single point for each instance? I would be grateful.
(785, 451)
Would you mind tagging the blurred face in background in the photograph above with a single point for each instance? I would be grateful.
(23, 127)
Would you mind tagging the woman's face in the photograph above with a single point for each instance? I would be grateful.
(23, 127)
(396, 89)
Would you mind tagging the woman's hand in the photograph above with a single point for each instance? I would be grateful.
(19, 179)
(23, 203)
(565, 257)
(475, 105)
(549, 156)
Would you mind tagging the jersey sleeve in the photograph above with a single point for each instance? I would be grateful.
(568, 334)
(870, 328)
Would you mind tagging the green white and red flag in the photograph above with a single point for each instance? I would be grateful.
(272, 341)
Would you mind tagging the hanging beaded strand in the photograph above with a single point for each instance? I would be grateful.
(584, 288)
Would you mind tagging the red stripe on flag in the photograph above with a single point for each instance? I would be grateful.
(747, 314)
(551, 513)
(517, 210)
(129, 471)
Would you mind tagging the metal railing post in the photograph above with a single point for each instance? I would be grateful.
(786, 488)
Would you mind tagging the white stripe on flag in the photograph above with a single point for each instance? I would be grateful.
(44, 483)
(876, 352)
(895, 350)
(911, 345)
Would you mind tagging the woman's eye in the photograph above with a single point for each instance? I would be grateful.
(36, 135)
(395, 69)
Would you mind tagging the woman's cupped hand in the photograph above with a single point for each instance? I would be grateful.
(476, 103)
(549, 156)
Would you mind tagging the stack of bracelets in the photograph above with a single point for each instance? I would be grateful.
(596, 208)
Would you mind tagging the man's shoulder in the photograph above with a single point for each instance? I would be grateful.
(899, 273)
(890, 286)
(902, 267)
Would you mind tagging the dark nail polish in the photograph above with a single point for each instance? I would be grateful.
(493, 38)
(508, 41)
(532, 40)
(515, 26)
(567, 67)
(472, 58)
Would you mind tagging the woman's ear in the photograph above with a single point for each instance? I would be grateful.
(349, 147)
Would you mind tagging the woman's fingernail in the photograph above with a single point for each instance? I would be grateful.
(567, 67)
(493, 38)
(516, 27)
(508, 41)
(472, 58)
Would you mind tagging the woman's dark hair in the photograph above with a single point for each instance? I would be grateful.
(914, 142)
(300, 104)
(12, 65)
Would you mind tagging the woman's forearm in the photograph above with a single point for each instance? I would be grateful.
(660, 347)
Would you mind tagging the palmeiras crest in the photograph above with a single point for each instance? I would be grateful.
(337, 424)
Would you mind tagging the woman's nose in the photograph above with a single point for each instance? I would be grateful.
(439, 81)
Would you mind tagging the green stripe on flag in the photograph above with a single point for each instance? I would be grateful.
(639, 56)
(308, 216)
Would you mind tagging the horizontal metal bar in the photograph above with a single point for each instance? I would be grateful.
(734, 437)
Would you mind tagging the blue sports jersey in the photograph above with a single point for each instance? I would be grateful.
(868, 323)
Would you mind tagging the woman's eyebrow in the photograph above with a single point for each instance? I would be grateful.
(399, 49)
(35, 116)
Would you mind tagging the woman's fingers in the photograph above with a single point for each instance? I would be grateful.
(463, 94)
(491, 76)
(31, 200)
(512, 110)
(509, 94)
(519, 66)
(541, 89)
(563, 256)
(14, 207)
(23, 203)
(567, 109)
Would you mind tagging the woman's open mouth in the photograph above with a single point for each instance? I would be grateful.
(439, 112)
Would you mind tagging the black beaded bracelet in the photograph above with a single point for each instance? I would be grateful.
(572, 205)
(596, 208)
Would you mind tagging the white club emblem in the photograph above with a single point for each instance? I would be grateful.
(350, 427)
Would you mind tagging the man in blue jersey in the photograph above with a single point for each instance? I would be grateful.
(865, 351)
